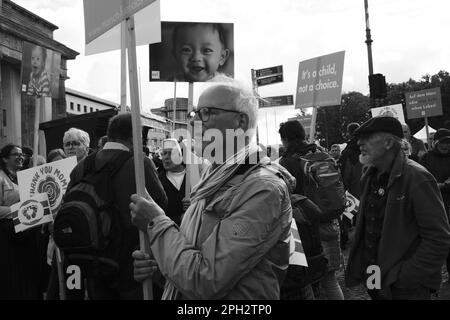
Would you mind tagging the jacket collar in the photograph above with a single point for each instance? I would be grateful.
(396, 171)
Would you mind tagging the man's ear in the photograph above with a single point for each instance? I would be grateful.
(243, 121)
(224, 57)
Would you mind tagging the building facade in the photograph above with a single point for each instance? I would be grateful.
(81, 103)
(17, 110)
(181, 113)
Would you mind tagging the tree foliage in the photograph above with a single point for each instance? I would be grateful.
(355, 107)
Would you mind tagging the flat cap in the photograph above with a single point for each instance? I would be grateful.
(381, 124)
(442, 134)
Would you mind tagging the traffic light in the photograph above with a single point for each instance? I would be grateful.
(377, 84)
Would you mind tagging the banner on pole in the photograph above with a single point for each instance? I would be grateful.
(320, 81)
(351, 205)
(31, 213)
(171, 60)
(424, 103)
(277, 101)
(40, 71)
(296, 253)
(51, 178)
(102, 20)
(395, 111)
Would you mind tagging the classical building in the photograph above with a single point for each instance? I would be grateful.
(81, 103)
(17, 111)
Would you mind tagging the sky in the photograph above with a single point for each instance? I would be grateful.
(409, 41)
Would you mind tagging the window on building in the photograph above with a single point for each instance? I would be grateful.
(85, 109)
(71, 106)
(78, 107)
(92, 109)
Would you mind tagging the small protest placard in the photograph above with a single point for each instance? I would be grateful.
(51, 178)
(395, 111)
(424, 103)
(351, 205)
(320, 81)
(31, 213)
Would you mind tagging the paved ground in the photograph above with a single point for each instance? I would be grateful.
(359, 293)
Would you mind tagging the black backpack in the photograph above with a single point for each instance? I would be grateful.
(307, 217)
(322, 183)
(87, 227)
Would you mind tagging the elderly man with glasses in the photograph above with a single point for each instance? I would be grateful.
(233, 240)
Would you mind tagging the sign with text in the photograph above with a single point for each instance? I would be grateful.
(269, 80)
(268, 71)
(424, 103)
(102, 20)
(51, 178)
(276, 101)
(31, 213)
(320, 81)
(395, 110)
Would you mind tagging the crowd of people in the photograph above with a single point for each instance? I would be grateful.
(228, 236)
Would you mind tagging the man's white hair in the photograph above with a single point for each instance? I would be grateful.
(77, 134)
(245, 100)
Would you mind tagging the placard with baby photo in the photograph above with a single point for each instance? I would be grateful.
(193, 52)
(40, 71)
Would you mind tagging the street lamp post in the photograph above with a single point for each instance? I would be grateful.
(369, 46)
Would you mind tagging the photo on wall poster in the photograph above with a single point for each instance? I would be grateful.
(193, 52)
(40, 71)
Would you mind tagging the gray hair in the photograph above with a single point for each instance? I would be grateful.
(78, 134)
(245, 100)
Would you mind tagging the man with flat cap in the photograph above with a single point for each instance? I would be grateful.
(402, 234)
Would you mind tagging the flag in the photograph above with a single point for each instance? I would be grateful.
(31, 213)
(351, 205)
(296, 253)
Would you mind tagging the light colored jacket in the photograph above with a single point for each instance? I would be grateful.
(240, 252)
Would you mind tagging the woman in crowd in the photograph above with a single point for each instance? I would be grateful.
(76, 143)
(20, 257)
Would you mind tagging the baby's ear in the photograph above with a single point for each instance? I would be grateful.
(224, 56)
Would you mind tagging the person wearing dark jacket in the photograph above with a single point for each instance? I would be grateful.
(351, 170)
(120, 140)
(437, 161)
(292, 136)
(402, 234)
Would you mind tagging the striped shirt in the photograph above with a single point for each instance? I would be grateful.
(39, 85)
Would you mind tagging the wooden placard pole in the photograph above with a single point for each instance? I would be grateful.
(174, 106)
(38, 102)
(428, 132)
(137, 139)
(188, 149)
(123, 67)
(255, 92)
(312, 129)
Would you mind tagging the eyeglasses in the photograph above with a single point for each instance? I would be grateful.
(16, 155)
(72, 143)
(205, 112)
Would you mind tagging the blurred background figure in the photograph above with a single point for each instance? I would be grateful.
(40, 161)
(27, 156)
(335, 151)
(417, 146)
(101, 142)
(55, 155)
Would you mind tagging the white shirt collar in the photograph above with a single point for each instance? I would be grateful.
(115, 146)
